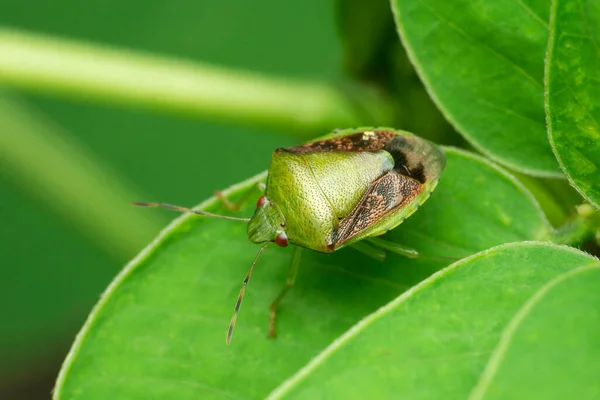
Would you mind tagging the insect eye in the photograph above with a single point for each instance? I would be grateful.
(262, 200)
(281, 239)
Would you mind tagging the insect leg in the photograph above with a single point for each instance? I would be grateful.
(289, 282)
(375, 253)
(236, 206)
(393, 247)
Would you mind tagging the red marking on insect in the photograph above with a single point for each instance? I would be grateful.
(281, 239)
(262, 200)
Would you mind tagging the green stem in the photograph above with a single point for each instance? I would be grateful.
(37, 156)
(584, 226)
(90, 72)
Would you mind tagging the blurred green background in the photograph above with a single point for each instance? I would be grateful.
(53, 270)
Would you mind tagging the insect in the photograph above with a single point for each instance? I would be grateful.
(345, 189)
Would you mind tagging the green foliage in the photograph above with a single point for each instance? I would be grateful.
(173, 302)
(500, 303)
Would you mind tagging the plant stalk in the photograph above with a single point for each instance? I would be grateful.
(45, 64)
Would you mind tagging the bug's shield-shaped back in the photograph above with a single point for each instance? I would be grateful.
(395, 195)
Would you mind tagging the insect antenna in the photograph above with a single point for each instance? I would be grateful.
(186, 210)
(238, 304)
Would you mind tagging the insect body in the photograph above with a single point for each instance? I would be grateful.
(334, 192)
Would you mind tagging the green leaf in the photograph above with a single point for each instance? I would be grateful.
(434, 341)
(159, 329)
(552, 338)
(482, 63)
(573, 84)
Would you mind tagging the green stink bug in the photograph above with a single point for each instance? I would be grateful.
(350, 186)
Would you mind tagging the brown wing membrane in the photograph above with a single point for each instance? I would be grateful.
(364, 141)
(387, 193)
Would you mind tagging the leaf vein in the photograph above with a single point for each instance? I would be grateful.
(529, 11)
